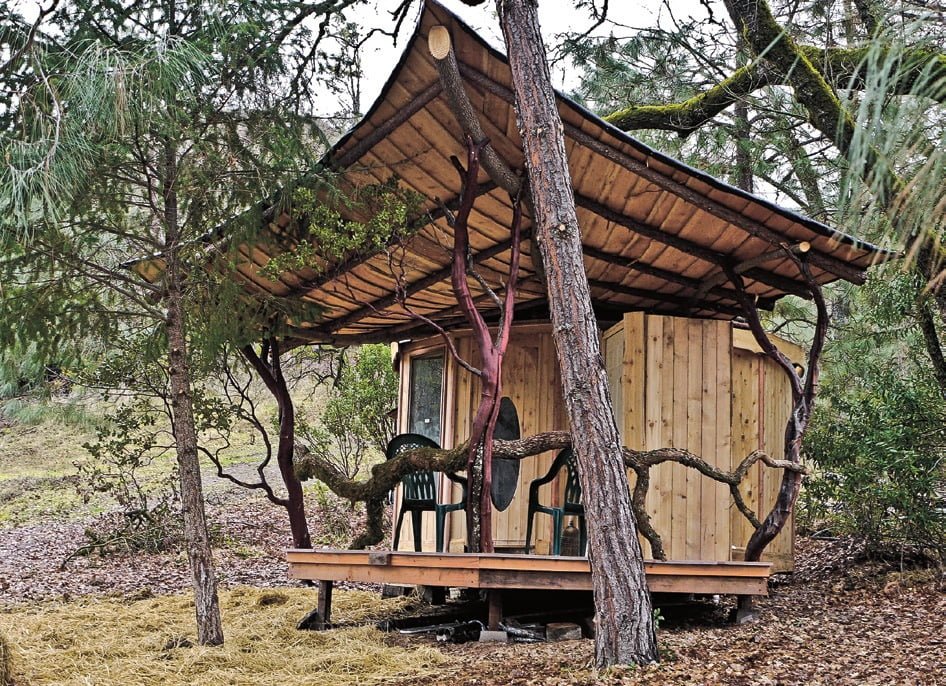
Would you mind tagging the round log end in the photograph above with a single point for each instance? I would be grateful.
(804, 247)
(438, 41)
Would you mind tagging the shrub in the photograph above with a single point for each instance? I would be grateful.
(877, 442)
(354, 425)
(129, 461)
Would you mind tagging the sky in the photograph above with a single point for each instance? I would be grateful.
(555, 17)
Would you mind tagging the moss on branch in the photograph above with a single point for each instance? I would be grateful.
(829, 70)
(689, 115)
(386, 476)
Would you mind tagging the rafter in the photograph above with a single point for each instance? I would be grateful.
(688, 247)
(685, 304)
(418, 103)
(417, 286)
(650, 270)
(752, 228)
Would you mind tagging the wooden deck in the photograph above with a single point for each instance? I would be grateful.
(500, 571)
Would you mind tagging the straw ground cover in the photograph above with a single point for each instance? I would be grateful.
(111, 641)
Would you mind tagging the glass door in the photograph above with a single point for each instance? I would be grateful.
(426, 396)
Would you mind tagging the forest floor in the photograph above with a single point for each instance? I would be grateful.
(126, 617)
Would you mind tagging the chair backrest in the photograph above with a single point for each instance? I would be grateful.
(572, 484)
(416, 485)
(420, 486)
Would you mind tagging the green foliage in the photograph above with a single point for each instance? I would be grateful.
(689, 63)
(386, 209)
(354, 424)
(896, 172)
(125, 463)
(878, 440)
(106, 104)
(22, 373)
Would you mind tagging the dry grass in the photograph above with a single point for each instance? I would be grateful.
(118, 642)
(6, 663)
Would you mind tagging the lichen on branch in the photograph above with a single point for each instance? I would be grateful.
(387, 475)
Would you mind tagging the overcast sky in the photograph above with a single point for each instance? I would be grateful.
(556, 17)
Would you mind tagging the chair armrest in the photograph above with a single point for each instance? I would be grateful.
(457, 479)
(554, 469)
(462, 480)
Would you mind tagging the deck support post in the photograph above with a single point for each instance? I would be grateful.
(324, 620)
(746, 610)
(494, 599)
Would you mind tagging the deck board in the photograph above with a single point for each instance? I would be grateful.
(519, 571)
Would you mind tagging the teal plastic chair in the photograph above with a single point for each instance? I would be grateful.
(571, 507)
(419, 492)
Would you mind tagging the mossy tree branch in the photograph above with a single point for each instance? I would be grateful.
(387, 475)
(691, 114)
(839, 69)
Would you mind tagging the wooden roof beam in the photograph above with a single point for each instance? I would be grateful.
(358, 150)
(394, 330)
(657, 272)
(685, 304)
(417, 286)
(817, 258)
(747, 266)
(448, 70)
(688, 247)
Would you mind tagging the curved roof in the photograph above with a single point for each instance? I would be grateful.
(655, 232)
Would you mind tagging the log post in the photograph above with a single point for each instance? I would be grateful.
(492, 349)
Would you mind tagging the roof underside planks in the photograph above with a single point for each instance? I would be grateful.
(655, 232)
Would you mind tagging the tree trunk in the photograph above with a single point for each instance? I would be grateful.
(284, 452)
(196, 538)
(625, 629)
(270, 371)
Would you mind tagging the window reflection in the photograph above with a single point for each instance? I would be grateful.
(426, 392)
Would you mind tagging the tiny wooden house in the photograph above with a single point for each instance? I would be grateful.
(672, 256)
(703, 385)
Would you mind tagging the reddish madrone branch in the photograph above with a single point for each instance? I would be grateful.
(386, 476)
(804, 390)
(491, 347)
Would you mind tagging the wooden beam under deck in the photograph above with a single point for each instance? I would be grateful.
(501, 571)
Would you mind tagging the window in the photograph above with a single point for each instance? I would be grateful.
(426, 393)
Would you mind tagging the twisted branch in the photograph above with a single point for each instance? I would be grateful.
(387, 475)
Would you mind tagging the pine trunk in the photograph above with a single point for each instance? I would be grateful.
(625, 628)
(196, 538)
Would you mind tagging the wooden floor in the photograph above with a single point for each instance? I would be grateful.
(503, 571)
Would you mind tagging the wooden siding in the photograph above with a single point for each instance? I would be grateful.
(687, 383)
(676, 391)
(531, 379)
(703, 386)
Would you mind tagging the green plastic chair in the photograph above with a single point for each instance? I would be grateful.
(571, 507)
(419, 492)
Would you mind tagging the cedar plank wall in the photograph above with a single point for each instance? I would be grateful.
(696, 384)
(702, 386)
(531, 380)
